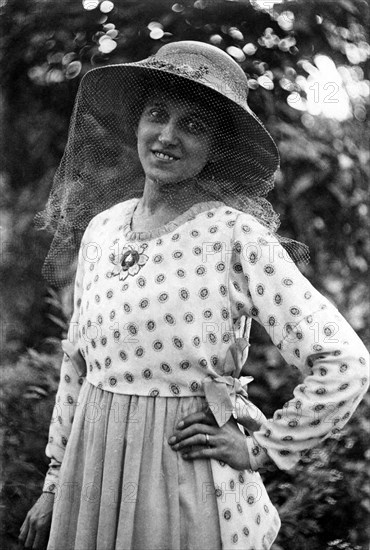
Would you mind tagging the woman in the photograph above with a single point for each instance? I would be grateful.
(164, 446)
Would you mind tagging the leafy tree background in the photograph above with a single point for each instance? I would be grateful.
(321, 194)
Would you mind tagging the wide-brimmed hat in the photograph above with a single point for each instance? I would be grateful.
(189, 65)
(101, 167)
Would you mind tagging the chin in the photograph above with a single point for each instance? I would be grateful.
(165, 179)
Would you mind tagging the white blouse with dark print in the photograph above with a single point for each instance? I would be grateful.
(159, 313)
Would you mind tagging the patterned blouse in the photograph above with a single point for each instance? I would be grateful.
(168, 313)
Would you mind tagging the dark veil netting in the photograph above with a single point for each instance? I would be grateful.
(101, 168)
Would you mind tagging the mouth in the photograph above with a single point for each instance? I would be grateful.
(164, 156)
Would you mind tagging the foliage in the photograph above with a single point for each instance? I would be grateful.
(320, 189)
(321, 194)
(327, 492)
(27, 398)
(324, 502)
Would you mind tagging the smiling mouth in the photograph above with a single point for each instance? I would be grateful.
(164, 156)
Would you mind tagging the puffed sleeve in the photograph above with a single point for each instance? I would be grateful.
(310, 333)
(71, 378)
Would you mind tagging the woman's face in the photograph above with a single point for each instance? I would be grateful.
(174, 138)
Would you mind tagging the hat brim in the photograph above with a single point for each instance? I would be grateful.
(255, 155)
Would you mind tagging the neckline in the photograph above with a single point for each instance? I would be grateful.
(168, 227)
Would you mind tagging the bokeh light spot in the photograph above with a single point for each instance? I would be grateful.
(249, 49)
(287, 84)
(107, 45)
(73, 69)
(68, 58)
(363, 210)
(236, 53)
(297, 102)
(112, 33)
(286, 20)
(177, 8)
(253, 84)
(156, 33)
(216, 39)
(235, 33)
(360, 113)
(106, 6)
(90, 4)
(265, 82)
(54, 76)
(154, 25)
(37, 74)
(200, 4)
(308, 120)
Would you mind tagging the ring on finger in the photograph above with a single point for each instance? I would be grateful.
(207, 440)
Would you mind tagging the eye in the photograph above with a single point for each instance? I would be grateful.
(195, 126)
(157, 114)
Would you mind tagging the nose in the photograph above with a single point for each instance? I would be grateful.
(168, 134)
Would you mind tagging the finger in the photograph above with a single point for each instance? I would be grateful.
(198, 417)
(190, 431)
(24, 530)
(197, 439)
(30, 537)
(205, 452)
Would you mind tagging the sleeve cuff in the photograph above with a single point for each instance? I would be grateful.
(52, 478)
(258, 457)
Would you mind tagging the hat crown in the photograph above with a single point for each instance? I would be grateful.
(204, 63)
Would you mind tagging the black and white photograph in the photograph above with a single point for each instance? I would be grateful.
(184, 276)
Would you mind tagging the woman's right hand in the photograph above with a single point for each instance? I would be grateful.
(35, 530)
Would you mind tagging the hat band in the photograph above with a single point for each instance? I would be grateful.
(222, 82)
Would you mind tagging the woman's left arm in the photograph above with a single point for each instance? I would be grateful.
(310, 334)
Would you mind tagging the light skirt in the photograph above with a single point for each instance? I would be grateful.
(122, 487)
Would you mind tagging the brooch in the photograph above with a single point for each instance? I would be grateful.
(129, 261)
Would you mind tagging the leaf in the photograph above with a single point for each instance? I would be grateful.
(59, 322)
(38, 390)
(301, 185)
(349, 6)
(53, 302)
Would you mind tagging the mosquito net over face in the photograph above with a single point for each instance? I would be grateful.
(101, 165)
